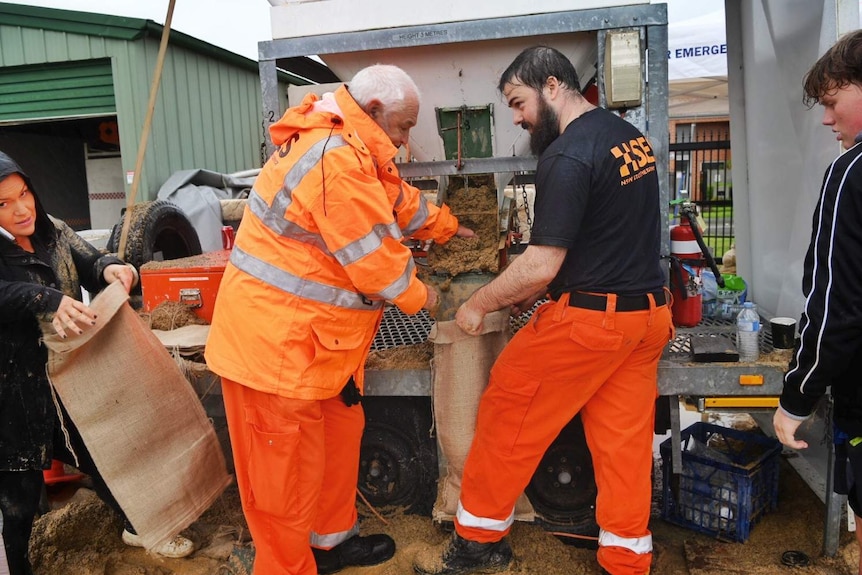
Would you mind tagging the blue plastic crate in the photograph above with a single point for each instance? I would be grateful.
(729, 479)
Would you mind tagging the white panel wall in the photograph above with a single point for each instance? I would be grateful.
(780, 148)
(294, 18)
(454, 75)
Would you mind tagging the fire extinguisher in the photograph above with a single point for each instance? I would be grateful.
(689, 255)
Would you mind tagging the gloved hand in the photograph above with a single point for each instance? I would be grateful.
(350, 393)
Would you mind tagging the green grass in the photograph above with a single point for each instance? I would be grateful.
(718, 211)
(718, 246)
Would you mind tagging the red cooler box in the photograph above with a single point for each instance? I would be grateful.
(193, 281)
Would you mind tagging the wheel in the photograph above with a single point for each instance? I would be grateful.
(158, 230)
(398, 456)
(386, 476)
(563, 487)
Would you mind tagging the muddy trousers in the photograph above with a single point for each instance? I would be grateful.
(21, 491)
(296, 465)
(567, 360)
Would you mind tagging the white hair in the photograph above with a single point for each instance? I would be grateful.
(386, 83)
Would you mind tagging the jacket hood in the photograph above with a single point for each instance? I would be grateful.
(307, 115)
(300, 118)
(44, 226)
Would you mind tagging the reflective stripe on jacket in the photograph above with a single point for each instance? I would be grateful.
(318, 253)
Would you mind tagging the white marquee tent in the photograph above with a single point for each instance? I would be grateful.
(697, 67)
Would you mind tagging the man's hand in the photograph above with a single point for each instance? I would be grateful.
(120, 273)
(785, 429)
(465, 232)
(469, 318)
(432, 301)
(461, 233)
(72, 315)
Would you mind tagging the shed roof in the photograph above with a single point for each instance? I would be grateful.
(120, 28)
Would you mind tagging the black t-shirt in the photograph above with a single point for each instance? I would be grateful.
(597, 194)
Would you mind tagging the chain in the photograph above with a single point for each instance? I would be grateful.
(527, 208)
(516, 221)
(263, 143)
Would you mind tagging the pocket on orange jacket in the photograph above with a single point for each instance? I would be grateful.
(595, 337)
(273, 464)
(338, 348)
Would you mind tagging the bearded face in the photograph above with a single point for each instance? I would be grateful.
(545, 130)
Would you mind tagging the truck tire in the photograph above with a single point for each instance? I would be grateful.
(159, 230)
(563, 487)
(398, 455)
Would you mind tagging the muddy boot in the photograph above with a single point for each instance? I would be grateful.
(461, 556)
(357, 550)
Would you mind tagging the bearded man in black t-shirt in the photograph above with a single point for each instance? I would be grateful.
(594, 349)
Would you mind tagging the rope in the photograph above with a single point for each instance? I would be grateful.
(573, 536)
(371, 507)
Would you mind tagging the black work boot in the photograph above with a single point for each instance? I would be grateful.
(357, 550)
(462, 556)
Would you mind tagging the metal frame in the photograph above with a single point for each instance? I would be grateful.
(651, 17)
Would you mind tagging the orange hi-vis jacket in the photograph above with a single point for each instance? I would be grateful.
(318, 253)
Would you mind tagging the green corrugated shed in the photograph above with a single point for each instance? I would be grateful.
(60, 65)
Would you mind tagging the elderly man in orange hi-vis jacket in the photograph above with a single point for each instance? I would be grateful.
(319, 252)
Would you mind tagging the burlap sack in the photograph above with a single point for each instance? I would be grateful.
(140, 419)
(461, 366)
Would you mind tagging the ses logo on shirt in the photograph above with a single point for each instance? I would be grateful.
(637, 157)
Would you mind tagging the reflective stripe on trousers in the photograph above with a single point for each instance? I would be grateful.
(639, 545)
(467, 519)
(330, 540)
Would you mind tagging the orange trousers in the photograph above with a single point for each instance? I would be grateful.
(297, 465)
(566, 360)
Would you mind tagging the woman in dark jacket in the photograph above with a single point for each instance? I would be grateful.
(43, 264)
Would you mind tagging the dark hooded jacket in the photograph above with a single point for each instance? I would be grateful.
(31, 288)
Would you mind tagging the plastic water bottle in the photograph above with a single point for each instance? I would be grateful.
(748, 332)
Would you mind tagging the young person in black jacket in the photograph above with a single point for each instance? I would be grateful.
(829, 353)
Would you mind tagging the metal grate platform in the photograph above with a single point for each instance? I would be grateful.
(398, 328)
(679, 348)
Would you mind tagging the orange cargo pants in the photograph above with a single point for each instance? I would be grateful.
(297, 465)
(566, 360)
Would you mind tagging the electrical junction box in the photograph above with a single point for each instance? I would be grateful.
(192, 280)
(623, 68)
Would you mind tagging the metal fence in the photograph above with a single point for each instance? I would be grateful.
(700, 166)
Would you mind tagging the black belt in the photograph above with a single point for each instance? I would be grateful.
(599, 302)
